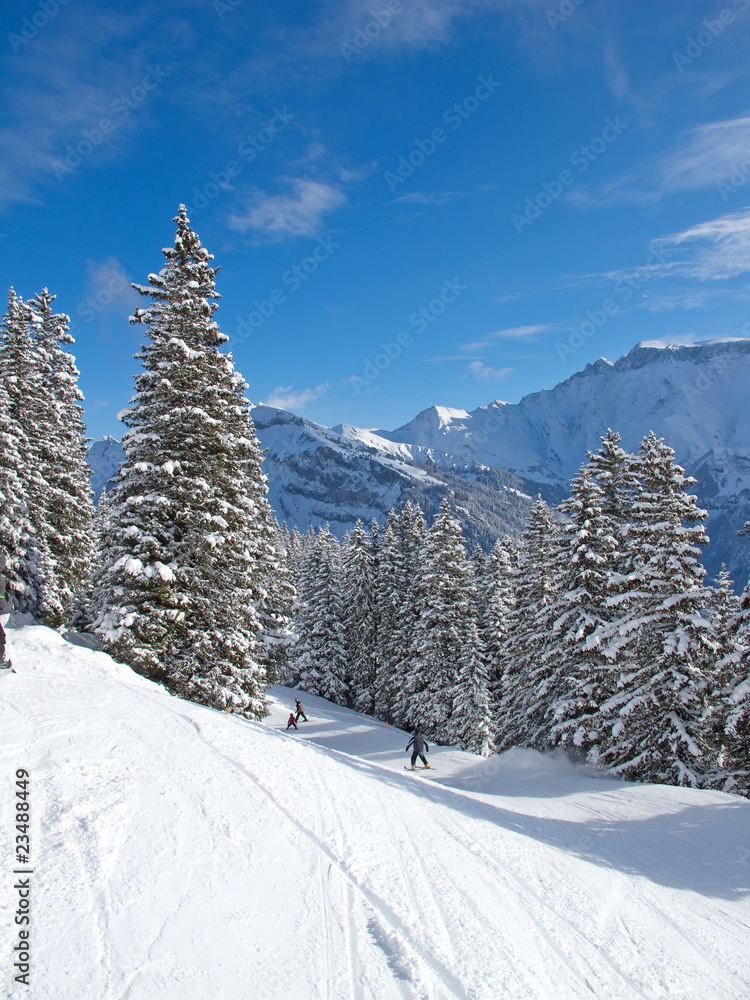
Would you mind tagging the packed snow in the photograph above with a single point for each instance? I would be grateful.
(180, 852)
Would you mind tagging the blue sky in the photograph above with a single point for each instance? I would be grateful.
(435, 201)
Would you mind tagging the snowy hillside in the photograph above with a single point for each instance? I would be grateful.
(180, 853)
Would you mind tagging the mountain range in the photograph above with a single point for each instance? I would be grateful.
(494, 461)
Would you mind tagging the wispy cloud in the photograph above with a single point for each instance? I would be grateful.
(487, 374)
(287, 398)
(53, 90)
(301, 212)
(701, 158)
(511, 333)
(422, 198)
(711, 251)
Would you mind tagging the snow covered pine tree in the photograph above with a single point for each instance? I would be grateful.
(187, 532)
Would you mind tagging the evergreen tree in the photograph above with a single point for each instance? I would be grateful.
(578, 677)
(276, 605)
(68, 509)
(187, 532)
(26, 417)
(23, 571)
(389, 590)
(533, 593)
(359, 616)
(662, 640)
(494, 584)
(445, 640)
(727, 720)
(320, 665)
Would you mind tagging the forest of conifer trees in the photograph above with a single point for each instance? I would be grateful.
(596, 634)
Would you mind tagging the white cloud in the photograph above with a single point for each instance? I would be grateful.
(482, 371)
(299, 213)
(286, 398)
(511, 333)
(702, 157)
(711, 251)
(420, 198)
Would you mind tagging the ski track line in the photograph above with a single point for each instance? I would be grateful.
(397, 854)
(711, 966)
(415, 854)
(346, 925)
(325, 903)
(559, 918)
(357, 991)
(448, 979)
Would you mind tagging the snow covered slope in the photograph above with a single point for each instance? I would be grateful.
(180, 853)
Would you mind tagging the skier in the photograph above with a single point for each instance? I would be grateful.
(292, 721)
(300, 710)
(420, 748)
(4, 609)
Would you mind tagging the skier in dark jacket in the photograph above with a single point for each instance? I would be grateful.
(420, 748)
(300, 710)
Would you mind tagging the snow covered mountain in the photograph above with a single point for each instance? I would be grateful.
(695, 396)
(495, 459)
(180, 852)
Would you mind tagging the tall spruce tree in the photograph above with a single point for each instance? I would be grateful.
(359, 615)
(578, 677)
(320, 666)
(23, 569)
(68, 512)
(405, 666)
(662, 639)
(444, 644)
(186, 533)
(533, 593)
(26, 408)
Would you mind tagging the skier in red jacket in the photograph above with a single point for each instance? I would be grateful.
(292, 721)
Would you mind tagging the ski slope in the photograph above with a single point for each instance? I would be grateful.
(184, 854)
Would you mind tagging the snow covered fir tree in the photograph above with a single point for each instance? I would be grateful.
(185, 592)
(46, 501)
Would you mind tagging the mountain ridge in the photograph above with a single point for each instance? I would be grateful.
(494, 460)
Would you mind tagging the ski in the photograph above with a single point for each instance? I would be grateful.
(407, 768)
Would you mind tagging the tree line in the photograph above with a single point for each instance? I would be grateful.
(596, 634)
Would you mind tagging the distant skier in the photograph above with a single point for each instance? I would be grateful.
(420, 748)
(300, 710)
(4, 609)
(291, 721)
